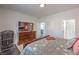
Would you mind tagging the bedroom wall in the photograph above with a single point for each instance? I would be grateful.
(11, 18)
(1, 20)
(54, 22)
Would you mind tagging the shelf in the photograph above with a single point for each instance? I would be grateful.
(6, 39)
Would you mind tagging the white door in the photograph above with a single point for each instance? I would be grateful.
(69, 29)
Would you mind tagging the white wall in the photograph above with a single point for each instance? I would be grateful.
(11, 18)
(1, 20)
(55, 25)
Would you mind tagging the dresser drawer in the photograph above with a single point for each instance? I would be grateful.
(26, 36)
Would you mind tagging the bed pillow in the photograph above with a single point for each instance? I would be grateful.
(50, 38)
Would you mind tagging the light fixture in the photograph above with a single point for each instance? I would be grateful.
(42, 5)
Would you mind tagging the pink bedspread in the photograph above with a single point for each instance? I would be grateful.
(76, 47)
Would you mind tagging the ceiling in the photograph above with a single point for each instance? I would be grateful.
(37, 11)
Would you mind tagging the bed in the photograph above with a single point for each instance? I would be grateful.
(47, 47)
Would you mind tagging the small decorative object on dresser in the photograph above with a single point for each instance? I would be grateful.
(26, 32)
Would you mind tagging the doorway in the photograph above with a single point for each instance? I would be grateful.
(42, 29)
(69, 29)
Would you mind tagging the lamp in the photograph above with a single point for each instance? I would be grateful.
(42, 5)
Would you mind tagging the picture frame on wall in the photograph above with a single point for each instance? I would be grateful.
(25, 26)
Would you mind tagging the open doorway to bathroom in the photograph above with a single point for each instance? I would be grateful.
(42, 28)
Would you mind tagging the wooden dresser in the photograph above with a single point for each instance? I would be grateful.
(24, 37)
(26, 32)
